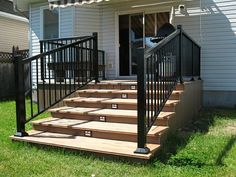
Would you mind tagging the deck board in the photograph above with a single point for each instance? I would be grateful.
(103, 146)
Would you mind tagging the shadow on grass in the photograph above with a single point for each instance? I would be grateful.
(226, 150)
(178, 140)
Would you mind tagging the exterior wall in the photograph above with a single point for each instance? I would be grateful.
(66, 22)
(212, 23)
(66, 28)
(13, 32)
(87, 21)
(109, 30)
(66, 25)
(109, 40)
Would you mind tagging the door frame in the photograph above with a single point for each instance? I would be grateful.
(117, 35)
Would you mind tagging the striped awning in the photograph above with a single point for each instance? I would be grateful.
(65, 3)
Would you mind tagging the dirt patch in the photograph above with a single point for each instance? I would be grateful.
(230, 129)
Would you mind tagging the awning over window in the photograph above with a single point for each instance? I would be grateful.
(66, 3)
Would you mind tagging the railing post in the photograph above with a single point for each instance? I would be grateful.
(95, 56)
(141, 87)
(41, 61)
(103, 67)
(192, 79)
(180, 53)
(20, 96)
(199, 64)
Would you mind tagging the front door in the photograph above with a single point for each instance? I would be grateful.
(135, 31)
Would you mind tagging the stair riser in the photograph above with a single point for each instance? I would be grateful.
(95, 118)
(122, 87)
(161, 122)
(108, 86)
(95, 134)
(109, 106)
(119, 95)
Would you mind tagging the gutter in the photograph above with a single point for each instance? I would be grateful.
(14, 17)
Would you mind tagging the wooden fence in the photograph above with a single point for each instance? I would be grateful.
(7, 74)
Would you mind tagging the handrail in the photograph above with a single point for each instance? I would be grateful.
(41, 55)
(61, 44)
(161, 43)
(60, 39)
(158, 71)
(48, 85)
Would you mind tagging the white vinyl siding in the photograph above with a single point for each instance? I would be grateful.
(13, 32)
(87, 21)
(66, 22)
(35, 30)
(213, 25)
(66, 28)
(66, 25)
(34, 36)
(109, 40)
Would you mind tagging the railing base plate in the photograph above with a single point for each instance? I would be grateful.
(21, 134)
(144, 150)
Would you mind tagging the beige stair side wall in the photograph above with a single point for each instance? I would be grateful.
(189, 106)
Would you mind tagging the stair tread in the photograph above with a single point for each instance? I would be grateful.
(105, 112)
(110, 100)
(77, 110)
(122, 128)
(86, 99)
(90, 144)
(114, 82)
(60, 122)
(117, 91)
(117, 82)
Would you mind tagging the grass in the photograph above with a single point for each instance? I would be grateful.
(205, 148)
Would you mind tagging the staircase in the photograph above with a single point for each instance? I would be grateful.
(102, 118)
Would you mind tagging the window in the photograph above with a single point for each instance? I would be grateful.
(50, 23)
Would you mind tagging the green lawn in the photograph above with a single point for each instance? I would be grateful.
(206, 148)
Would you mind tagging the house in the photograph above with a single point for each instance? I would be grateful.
(209, 22)
(203, 46)
(14, 28)
(13, 32)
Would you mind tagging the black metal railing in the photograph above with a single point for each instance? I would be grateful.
(50, 44)
(159, 70)
(79, 58)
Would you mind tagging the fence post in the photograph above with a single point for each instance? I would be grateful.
(180, 53)
(141, 88)
(95, 56)
(20, 95)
